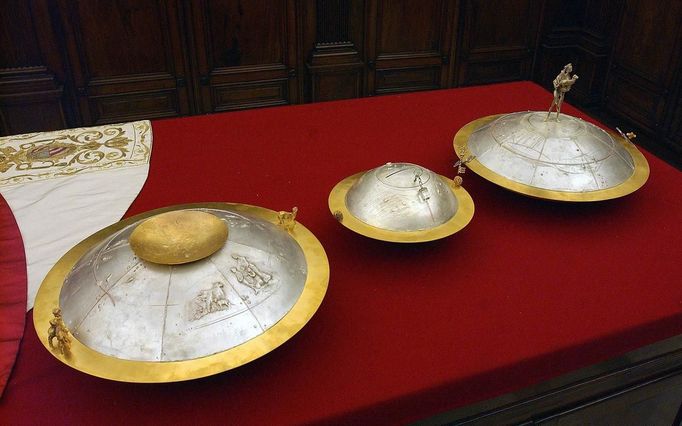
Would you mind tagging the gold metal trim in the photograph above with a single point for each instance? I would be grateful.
(94, 363)
(633, 183)
(287, 220)
(337, 206)
(60, 332)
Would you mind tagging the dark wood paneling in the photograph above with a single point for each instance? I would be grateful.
(675, 130)
(31, 71)
(632, 98)
(18, 36)
(646, 37)
(116, 38)
(409, 44)
(407, 79)
(497, 41)
(580, 32)
(30, 100)
(336, 83)
(643, 66)
(131, 50)
(409, 27)
(117, 107)
(334, 65)
(246, 33)
(250, 94)
(250, 42)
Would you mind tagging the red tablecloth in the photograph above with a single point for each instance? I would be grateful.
(12, 291)
(529, 290)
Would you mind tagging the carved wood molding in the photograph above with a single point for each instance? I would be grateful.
(334, 60)
(24, 80)
(333, 46)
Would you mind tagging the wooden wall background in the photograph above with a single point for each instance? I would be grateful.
(67, 63)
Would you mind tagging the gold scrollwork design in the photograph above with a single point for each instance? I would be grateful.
(67, 152)
(86, 157)
(86, 136)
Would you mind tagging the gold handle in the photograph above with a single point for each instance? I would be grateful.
(287, 220)
(629, 136)
(59, 331)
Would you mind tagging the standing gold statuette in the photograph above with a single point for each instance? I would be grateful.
(287, 220)
(562, 84)
(59, 331)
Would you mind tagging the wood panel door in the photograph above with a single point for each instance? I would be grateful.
(497, 41)
(127, 59)
(409, 44)
(645, 62)
(32, 74)
(245, 53)
(335, 31)
(580, 32)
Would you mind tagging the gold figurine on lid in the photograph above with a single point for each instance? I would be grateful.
(562, 84)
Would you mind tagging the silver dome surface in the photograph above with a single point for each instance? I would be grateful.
(122, 306)
(566, 159)
(401, 202)
(401, 197)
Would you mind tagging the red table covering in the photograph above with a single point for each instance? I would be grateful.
(529, 290)
(12, 291)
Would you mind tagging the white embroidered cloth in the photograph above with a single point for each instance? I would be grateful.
(65, 185)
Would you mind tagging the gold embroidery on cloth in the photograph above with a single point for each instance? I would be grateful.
(39, 156)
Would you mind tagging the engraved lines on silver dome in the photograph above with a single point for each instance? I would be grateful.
(400, 179)
(124, 307)
(570, 155)
(401, 197)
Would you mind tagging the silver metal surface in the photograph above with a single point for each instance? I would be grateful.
(568, 155)
(138, 310)
(401, 197)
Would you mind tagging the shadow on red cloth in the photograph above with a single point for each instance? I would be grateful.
(511, 378)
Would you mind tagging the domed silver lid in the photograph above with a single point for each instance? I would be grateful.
(566, 159)
(552, 155)
(401, 197)
(400, 200)
(134, 320)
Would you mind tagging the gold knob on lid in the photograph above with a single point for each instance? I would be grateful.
(178, 237)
